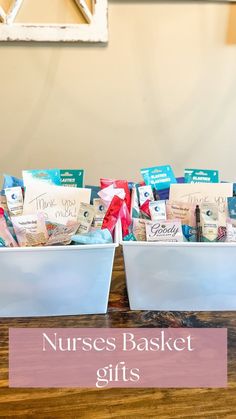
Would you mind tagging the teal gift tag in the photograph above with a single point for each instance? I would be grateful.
(73, 178)
(201, 176)
(159, 177)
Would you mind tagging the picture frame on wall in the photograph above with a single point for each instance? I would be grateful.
(85, 20)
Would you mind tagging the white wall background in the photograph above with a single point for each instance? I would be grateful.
(163, 91)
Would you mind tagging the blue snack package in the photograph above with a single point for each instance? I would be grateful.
(180, 180)
(164, 194)
(11, 181)
(93, 237)
(232, 207)
(51, 176)
(159, 177)
(201, 176)
(189, 233)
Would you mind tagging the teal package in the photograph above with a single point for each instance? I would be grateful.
(159, 177)
(232, 207)
(201, 176)
(73, 178)
(51, 176)
(189, 233)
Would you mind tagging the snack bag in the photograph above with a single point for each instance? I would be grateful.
(62, 234)
(51, 227)
(30, 230)
(138, 229)
(180, 211)
(186, 214)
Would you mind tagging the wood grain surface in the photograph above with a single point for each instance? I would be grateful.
(121, 403)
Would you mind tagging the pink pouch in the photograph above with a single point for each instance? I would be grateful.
(145, 209)
(123, 184)
(112, 214)
(126, 220)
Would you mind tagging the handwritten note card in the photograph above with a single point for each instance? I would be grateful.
(60, 204)
(198, 193)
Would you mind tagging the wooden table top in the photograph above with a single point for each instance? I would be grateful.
(121, 403)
